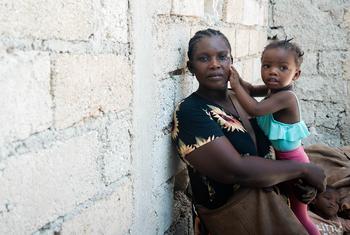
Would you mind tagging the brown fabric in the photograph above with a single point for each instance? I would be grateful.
(336, 164)
(252, 211)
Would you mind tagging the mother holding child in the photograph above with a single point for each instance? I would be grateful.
(227, 155)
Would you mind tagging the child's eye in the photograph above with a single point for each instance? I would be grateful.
(265, 66)
(283, 68)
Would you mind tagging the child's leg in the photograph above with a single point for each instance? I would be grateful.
(299, 208)
(300, 211)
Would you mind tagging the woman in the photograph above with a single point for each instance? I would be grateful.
(216, 141)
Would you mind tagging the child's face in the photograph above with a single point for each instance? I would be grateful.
(211, 63)
(327, 203)
(278, 68)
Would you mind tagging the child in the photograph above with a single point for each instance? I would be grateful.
(278, 114)
(323, 211)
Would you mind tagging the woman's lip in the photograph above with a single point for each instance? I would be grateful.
(218, 76)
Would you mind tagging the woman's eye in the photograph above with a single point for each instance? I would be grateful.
(223, 58)
(203, 59)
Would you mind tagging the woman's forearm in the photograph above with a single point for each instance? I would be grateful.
(259, 172)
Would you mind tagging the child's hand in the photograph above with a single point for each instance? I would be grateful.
(234, 78)
(304, 192)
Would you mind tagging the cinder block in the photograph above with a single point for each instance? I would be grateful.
(327, 114)
(331, 63)
(247, 70)
(188, 8)
(263, 13)
(238, 65)
(214, 9)
(242, 42)
(230, 33)
(185, 85)
(87, 86)
(256, 73)
(345, 127)
(39, 187)
(234, 11)
(63, 19)
(314, 87)
(307, 111)
(163, 201)
(346, 68)
(262, 40)
(116, 154)
(171, 48)
(115, 20)
(25, 94)
(309, 65)
(319, 23)
(250, 12)
(346, 21)
(167, 163)
(163, 7)
(164, 104)
(110, 216)
(254, 42)
(323, 135)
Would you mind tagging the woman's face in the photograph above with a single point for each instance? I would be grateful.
(211, 63)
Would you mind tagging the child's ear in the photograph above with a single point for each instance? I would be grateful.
(297, 75)
(190, 67)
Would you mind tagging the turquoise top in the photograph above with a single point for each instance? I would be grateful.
(283, 136)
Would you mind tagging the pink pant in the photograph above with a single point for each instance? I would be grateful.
(299, 208)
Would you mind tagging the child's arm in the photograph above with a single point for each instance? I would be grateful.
(274, 103)
(254, 90)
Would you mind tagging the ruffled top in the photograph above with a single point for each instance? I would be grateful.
(283, 136)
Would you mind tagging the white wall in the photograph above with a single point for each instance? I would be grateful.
(321, 27)
(87, 94)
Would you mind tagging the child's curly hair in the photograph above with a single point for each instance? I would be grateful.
(287, 45)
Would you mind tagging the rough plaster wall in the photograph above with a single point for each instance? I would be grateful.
(88, 89)
(321, 27)
(65, 136)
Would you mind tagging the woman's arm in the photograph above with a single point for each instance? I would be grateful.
(220, 161)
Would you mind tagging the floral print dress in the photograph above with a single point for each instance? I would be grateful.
(197, 122)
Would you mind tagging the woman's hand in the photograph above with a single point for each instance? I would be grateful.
(314, 176)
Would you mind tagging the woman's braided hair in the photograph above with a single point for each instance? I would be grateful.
(201, 34)
(289, 46)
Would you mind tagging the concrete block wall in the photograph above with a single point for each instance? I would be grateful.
(321, 27)
(87, 90)
(66, 82)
